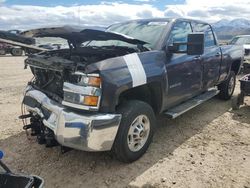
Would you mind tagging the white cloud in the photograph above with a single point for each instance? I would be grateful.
(210, 10)
(106, 13)
(102, 14)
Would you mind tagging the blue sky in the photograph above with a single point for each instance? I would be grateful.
(160, 4)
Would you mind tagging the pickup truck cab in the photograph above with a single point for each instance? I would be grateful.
(104, 91)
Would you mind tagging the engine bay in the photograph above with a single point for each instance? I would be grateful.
(90, 54)
(52, 68)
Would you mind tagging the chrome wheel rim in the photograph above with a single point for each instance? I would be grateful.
(231, 86)
(138, 133)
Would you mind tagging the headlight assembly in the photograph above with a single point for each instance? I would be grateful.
(85, 93)
(88, 79)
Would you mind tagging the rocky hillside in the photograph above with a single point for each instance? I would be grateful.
(226, 29)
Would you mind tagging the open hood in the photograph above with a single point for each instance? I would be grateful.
(15, 37)
(79, 35)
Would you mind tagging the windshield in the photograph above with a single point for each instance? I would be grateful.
(241, 40)
(148, 31)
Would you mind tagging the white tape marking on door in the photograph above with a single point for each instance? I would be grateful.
(136, 69)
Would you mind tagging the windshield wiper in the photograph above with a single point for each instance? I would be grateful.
(142, 48)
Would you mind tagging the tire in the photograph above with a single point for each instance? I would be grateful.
(133, 112)
(2, 52)
(16, 52)
(227, 87)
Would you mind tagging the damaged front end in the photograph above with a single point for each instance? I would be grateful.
(64, 82)
(62, 107)
(63, 99)
(54, 123)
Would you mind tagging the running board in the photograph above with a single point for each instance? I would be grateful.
(191, 103)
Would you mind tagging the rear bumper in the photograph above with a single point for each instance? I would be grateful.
(78, 130)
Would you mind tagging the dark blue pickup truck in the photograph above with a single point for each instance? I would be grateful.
(103, 92)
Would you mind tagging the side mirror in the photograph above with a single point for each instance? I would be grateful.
(195, 44)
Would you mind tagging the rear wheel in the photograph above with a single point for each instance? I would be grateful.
(135, 132)
(16, 52)
(227, 88)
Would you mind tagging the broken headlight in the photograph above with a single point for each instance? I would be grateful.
(85, 93)
(88, 79)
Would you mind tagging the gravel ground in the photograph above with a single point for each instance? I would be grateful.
(208, 146)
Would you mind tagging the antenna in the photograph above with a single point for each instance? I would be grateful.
(79, 12)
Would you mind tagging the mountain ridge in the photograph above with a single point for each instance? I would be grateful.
(226, 29)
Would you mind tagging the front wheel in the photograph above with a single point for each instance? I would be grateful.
(135, 132)
(227, 87)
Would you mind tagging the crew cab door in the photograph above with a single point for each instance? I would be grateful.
(211, 59)
(184, 71)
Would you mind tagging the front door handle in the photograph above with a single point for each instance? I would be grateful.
(218, 54)
(197, 58)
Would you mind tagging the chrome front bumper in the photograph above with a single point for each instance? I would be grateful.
(83, 131)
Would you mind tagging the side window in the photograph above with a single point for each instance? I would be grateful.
(180, 33)
(206, 29)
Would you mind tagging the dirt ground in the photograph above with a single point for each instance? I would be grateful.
(208, 146)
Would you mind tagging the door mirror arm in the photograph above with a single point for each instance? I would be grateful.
(175, 47)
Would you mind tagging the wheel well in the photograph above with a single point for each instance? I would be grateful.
(236, 66)
(150, 93)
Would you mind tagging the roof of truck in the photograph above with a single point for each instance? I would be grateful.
(164, 19)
